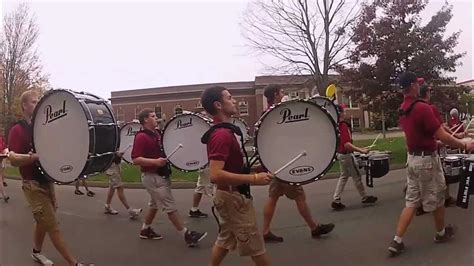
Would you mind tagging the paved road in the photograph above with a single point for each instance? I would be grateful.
(361, 235)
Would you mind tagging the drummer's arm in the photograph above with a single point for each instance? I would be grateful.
(18, 159)
(141, 161)
(222, 177)
(351, 148)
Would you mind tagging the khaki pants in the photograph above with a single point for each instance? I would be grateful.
(41, 199)
(348, 169)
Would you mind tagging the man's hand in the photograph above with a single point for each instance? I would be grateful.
(160, 162)
(364, 150)
(262, 178)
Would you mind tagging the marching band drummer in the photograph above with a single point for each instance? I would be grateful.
(348, 165)
(454, 121)
(237, 221)
(277, 189)
(425, 178)
(38, 190)
(147, 153)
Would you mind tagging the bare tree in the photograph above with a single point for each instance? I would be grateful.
(307, 37)
(19, 62)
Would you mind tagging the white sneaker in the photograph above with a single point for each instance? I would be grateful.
(134, 213)
(109, 210)
(40, 258)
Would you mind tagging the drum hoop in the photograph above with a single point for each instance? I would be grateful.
(120, 137)
(336, 129)
(332, 103)
(206, 119)
(35, 112)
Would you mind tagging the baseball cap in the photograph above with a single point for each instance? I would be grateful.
(406, 79)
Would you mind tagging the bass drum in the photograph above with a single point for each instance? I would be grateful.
(127, 136)
(328, 105)
(290, 128)
(182, 141)
(74, 134)
(243, 127)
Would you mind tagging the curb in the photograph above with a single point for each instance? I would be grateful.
(188, 185)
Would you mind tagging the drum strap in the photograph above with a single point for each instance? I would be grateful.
(406, 112)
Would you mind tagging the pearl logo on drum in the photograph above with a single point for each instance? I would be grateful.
(57, 114)
(192, 163)
(66, 169)
(301, 170)
(288, 117)
(180, 124)
(131, 132)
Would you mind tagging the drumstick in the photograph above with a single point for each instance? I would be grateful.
(467, 128)
(290, 162)
(128, 147)
(455, 126)
(459, 127)
(174, 151)
(373, 143)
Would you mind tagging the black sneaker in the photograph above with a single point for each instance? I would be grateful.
(197, 214)
(337, 206)
(148, 233)
(192, 238)
(369, 199)
(90, 193)
(6, 199)
(449, 233)
(322, 229)
(78, 192)
(5, 184)
(271, 238)
(396, 248)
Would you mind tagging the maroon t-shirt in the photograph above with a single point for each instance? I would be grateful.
(436, 113)
(3, 144)
(419, 126)
(345, 137)
(147, 144)
(19, 141)
(454, 121)
(223, 146)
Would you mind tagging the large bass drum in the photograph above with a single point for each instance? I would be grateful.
(290, 128)
(182, 141)
(127, 137)
(74, 134)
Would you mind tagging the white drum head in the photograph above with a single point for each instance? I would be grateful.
(243, 127)
(186, 130)
(291, 128)
(127, 136)
(328, 104)
(61, 136)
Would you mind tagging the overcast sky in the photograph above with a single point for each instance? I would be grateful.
(114, 45)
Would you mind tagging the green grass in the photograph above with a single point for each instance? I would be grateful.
(131, 173)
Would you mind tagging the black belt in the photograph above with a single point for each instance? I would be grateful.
(422, 153)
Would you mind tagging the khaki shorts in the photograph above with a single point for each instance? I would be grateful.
(204, 185)
(278, 189)
(425, 183)
(115, 176)
(159, 189)
(238, 224)
(41, 200)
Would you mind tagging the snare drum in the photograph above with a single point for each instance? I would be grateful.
(74, 134)
(452, 167)
(127, 136)
(243, 127)
(186, 130)
(378, 164)
(290, 128)
(328, 105)
(466, 183)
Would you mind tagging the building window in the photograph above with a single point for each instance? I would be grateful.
(178, 109)
(294, 95)
(199, 105)
(158, 111)
(137, 111)
(243, 108)
(353, 104)
(355, 122)
(120, 114)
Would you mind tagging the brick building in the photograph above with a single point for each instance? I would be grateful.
(168, 101)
